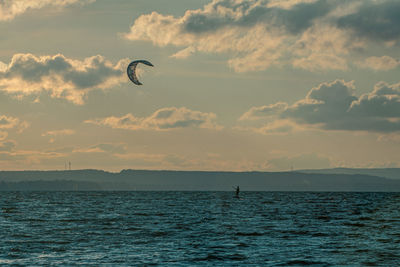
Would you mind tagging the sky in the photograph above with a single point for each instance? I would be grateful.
(255, 85)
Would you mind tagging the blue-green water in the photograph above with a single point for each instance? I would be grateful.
(199, 228)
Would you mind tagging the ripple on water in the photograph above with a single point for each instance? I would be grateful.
(191, 228)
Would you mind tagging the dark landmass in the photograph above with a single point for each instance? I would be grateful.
(86, 180)
(392, 173)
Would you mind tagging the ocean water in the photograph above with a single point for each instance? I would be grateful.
(199, 228)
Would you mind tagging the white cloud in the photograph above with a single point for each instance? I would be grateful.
(9, 9)
(277, 127)
(264, 111)
(323, 47)
(184, 53)
(379, 63)
(288, 4)
(66, 78)
(162, 119)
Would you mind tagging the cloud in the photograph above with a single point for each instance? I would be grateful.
(315, 35)
(379, 108)
(329, 102)
(288, 4)
(249, 29)
(9, 9)
(323, 47)
(66, 78)
(264, 111)
(379, 63)
(277, 127)
(334, 106)
(184, 53)
(8, 122)
(162, 119)
(274, 126)
(376, 20)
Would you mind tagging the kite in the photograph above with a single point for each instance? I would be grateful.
(131, 70)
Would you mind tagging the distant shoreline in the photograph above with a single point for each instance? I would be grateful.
(344, 180)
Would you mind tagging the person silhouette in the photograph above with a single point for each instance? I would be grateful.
(237, 191)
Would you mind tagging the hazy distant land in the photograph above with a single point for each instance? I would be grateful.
(306, 180)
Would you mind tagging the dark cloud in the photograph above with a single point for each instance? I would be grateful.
(183, 123)
(333, 106)
(383, 101)
(249, 13)
(90, 73)
(377, 20)
(29, 68)
(327, 102)
(301, 16)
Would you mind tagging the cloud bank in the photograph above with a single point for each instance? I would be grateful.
(9, 9)
(162, 119)
(62, 77)
(308, 34)
(334, 106)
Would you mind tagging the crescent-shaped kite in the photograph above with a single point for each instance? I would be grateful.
(131, 70)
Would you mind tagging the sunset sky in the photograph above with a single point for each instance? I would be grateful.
(261, 85)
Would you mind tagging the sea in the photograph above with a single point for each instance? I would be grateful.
(199, 229)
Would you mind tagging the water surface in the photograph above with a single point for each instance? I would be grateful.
(199, 228)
